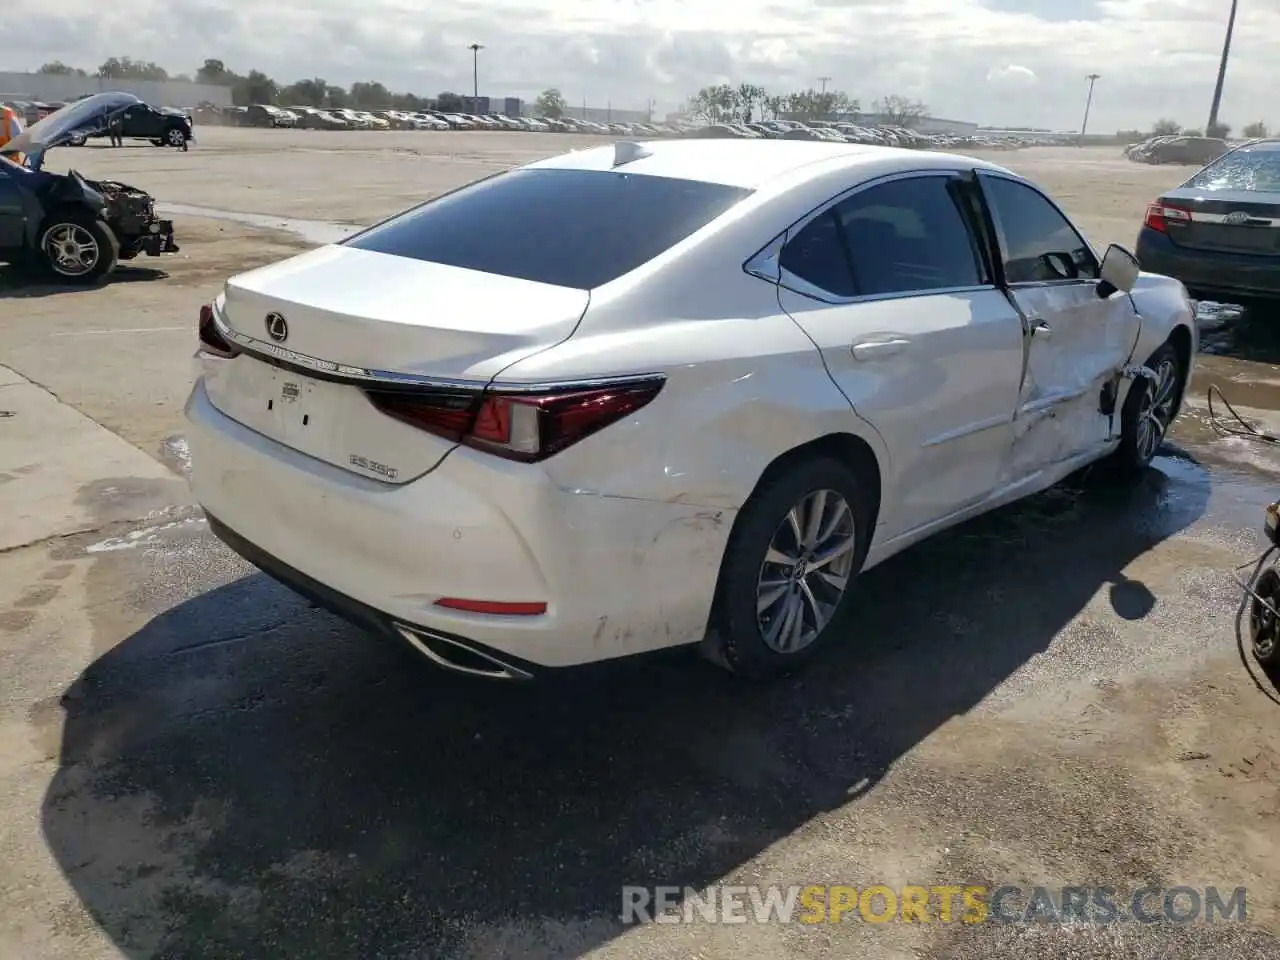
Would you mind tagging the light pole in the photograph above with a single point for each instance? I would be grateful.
(1092, 78)
(1211, 126)
(475, 49)
(823, 81)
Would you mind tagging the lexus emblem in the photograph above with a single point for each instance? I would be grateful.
(1237, 217)
(277, 327)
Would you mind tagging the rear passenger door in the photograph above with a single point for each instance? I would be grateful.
(890, 283)
(1076, 341)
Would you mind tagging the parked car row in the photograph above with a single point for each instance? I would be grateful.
(346, 118)
(844, 132)
(1196, 151)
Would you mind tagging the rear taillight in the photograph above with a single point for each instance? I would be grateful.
(525, 426)
(1160, 215)
(212, 342)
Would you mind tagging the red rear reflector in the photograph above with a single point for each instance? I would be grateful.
(1159, 215)
(211, 342)
(519, 426)
(493, 607)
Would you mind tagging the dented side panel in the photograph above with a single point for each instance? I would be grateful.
(1077, 345)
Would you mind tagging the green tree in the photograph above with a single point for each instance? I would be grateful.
(1166, 128)
(370, 96)
(126, 68)
(305, 93)
(256, 87)
(58, 68)
(1256, 130)
(450, 102)
(550, 103)
(750, 98)
(215, 72)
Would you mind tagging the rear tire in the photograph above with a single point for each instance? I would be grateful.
(786, 582)
(76, 247)
(1148, 412)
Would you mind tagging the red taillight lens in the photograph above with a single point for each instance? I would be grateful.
(519, 426)
(211, 341)
(1160, 215)
(493, 608)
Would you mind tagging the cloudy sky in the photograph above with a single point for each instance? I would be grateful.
(1017, 62)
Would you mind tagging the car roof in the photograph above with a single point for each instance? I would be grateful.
(753, 163)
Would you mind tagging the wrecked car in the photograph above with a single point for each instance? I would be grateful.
(64, 224)
(743, 371)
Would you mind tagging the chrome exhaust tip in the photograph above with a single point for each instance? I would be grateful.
(459, 657)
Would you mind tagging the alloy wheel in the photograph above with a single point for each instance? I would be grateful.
(1156, 412)
(176, 137)
(71, 249)
(806, 571)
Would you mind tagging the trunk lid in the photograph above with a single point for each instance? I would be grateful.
(349, 314)
(1227, 221)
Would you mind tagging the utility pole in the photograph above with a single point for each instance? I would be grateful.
(1092, 78)
(1211, 128)
(475, 49)
(823, 81)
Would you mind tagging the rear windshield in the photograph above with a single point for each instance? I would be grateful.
(569, 228)
(1249, 168)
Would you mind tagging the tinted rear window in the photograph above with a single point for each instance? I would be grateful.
(570, 228)
(1249, 168)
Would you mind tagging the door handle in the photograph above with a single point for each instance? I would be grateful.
(879, 349)
(1042, 330)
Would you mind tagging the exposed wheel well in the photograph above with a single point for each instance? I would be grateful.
(1180, 340)
(839, 446)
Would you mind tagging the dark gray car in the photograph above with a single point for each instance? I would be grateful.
(1219, 233)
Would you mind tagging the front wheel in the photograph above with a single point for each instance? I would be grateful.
(787, 573)
(1149, 410)
(176, 137)
(77, 247)
(1264, 625)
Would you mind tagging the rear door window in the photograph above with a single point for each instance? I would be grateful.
(568, 228)
(900, 237)
(909, 236)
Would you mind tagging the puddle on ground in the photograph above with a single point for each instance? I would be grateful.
(313, 231)
(1240, 356)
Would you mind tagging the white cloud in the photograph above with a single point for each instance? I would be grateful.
(1012, 74)
(1157, 57)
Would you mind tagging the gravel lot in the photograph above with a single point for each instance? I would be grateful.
(196, 764)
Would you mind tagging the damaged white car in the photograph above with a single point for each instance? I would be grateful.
(668, 393)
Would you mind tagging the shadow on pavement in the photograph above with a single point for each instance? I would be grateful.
(14, 285)
(255, 779)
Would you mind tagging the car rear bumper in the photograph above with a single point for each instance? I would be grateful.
(619, 576)
(1209, 272)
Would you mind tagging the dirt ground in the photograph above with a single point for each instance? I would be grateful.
(196, 764)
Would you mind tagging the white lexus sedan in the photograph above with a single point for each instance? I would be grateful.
(667, 393)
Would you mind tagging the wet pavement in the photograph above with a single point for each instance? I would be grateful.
(237, 774)
(195, 763)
